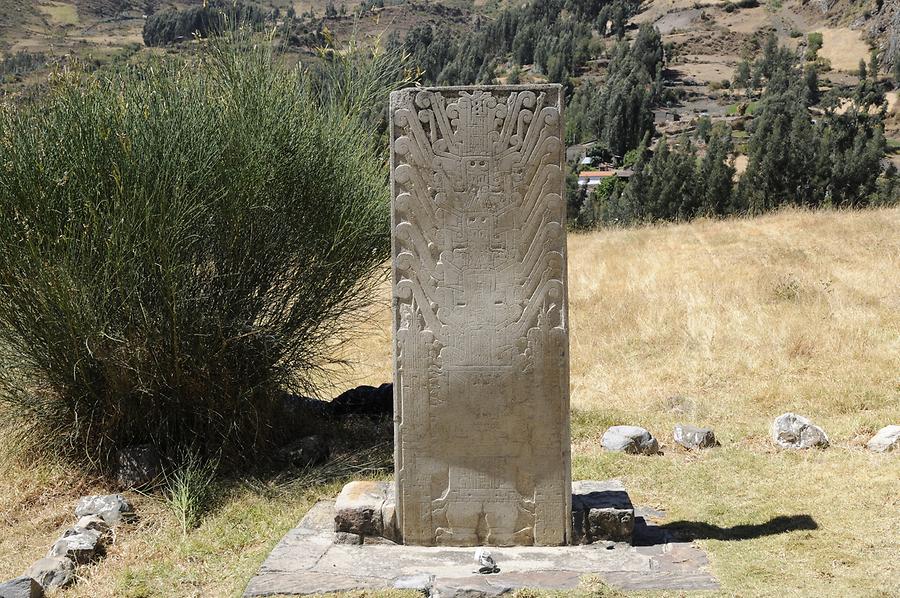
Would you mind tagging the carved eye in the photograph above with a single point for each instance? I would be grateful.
(482, 163)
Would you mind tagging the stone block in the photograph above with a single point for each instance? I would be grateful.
(358, 508)
(81, 546)
(21, 587)
(112, 508)
(629, 439)
(790, 430)
(887, 439)
(693, 438)
(601, 510)
(52, 572)
(480, 316)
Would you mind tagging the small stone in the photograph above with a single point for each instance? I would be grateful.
(691, 437)
(79, 546)
(52, 572)
(138, 466)
(790, 430)
(347, 538)
(630, 439)
(358, 508)
(21, 587)
(112, 508)
(886, 440)
(307, 451)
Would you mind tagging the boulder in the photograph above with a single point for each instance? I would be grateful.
(138, 466)
(81, 546)
(630, 439)
(307, 451)
(112, 508)
(601, 510)
(358, 508)
(691, 437)
(366, 400)
(52, 572)
(887, 439)
(790, 430)
(21, 587)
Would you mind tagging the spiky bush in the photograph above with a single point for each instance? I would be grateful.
(178, 244)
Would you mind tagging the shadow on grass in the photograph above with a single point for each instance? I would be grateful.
(686, 531)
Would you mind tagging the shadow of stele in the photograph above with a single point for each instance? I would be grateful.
(686, 531)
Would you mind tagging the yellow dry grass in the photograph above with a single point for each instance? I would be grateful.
(740, 319)
(60, 14)
(844, 48)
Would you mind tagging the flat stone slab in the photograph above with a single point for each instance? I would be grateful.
(307, 561)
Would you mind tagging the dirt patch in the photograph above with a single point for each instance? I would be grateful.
(844, 48)
(60, 14)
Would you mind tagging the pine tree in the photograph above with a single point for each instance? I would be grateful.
(715, 174)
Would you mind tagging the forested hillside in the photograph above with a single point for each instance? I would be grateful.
(683, 108)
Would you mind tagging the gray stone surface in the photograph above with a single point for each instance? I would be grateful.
(480, 315)
(81, 546)
(629, 439)
(307, 561)
(887, 439)
(52, 572)
(601, 510)
(138, 466)
(790, 430)
(21, 587)
(112, 508)
(691, 437)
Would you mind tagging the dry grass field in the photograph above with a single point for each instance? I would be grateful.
(719, 323)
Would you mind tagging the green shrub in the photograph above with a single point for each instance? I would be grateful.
(813, 45)
(173, 25)
(182, 243)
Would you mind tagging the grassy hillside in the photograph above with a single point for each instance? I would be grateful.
(725, 324)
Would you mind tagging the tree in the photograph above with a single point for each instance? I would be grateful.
(862, 69)
(874, 64)
(715, 174)
(742, 76)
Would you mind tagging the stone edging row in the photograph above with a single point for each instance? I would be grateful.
(83, 543)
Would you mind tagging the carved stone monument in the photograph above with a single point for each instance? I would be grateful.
(480, 316)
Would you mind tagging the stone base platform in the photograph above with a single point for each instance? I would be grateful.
(308, 561)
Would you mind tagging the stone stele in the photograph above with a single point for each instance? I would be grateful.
(480, 321)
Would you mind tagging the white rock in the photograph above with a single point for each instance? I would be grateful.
(790, 430)
(886, 440)
(78, 545)
(112, 508)
(630, 439)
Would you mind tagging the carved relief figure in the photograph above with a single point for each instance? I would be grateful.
(481, 362)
